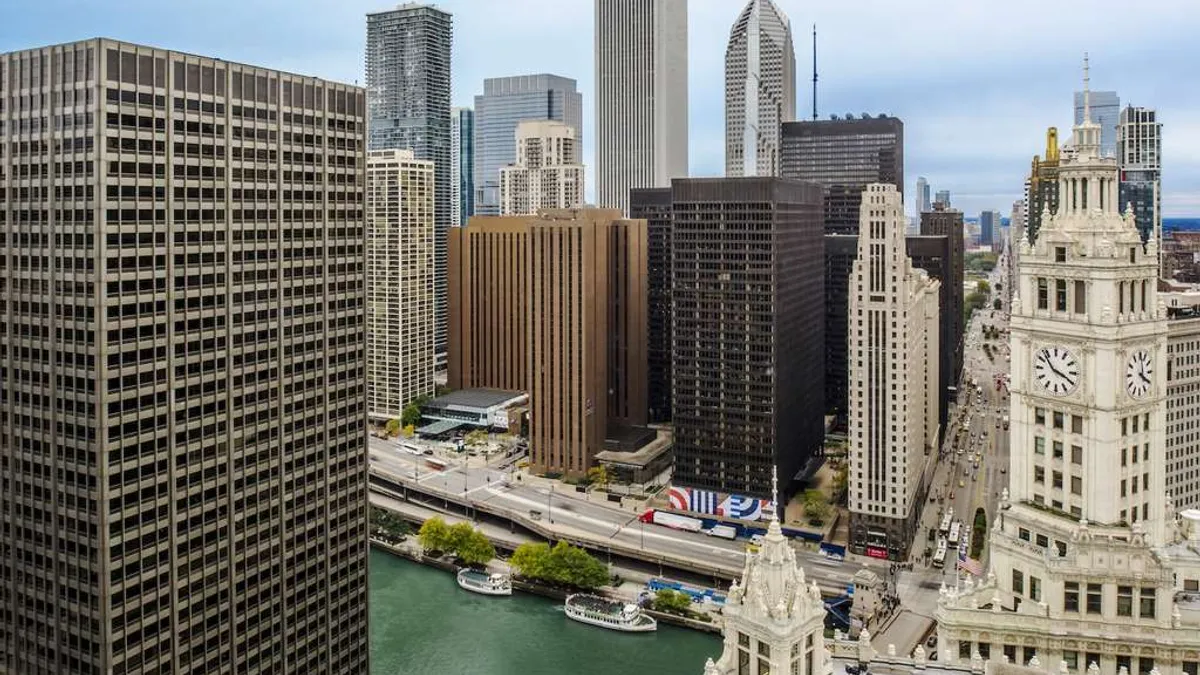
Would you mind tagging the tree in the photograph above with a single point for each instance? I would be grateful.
(474, 548)
(529, 559)
(409, 430)
(392, 426)
(997, 305)
(841, 480)
(434, 535)
(457, 535)
(476, 437)
(983, 286)
(667, 600)
(816, 506)
(577, 567)
(411, 415)
(598, 475)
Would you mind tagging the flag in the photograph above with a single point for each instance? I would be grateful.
(970, 565)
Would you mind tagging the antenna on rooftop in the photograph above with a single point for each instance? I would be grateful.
(814, 72)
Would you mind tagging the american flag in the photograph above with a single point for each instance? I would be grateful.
(969, 564)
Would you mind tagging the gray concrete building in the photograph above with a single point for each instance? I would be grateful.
(408, 100)
(1105, 111)
(1139, 157)
(462, 165)
(182, 393)
(641, 96)
(505, 103)
(760, 89)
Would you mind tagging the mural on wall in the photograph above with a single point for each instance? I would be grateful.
(712, 503)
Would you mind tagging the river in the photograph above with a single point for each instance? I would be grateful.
(422, 623)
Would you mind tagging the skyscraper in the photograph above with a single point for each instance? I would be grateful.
(505, 103)
(943, 198)
(182, 355)
(641, 96)
(400, 319)
(1106, 112)
(1139, 158)
(760, 89)
(408, 99)
(947, 222)
(747, 284)
(1043, 185)
(462, 165)
(548, 173)
(923, 203)
(654, 206)
(989, 223)
(893, 347)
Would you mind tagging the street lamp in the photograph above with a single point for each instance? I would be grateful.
(549, 506)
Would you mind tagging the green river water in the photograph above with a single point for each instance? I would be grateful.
(422, 623)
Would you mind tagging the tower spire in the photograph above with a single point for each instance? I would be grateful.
(775, 492)
(814, 72)
(1087, 94)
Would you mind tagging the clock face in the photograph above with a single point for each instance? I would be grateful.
(1139, 374)
(1056, 369)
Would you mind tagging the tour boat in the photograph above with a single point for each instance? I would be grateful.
(482, 582)
(606, 613)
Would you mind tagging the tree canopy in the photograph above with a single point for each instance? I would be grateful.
(434, 535)
(667, 600)
(563, 564)
(461, 539)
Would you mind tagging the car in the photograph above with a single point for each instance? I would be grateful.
(962, 483)
(1004, 469)
(427, 452)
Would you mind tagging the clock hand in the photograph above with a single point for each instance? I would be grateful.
(1144, 378)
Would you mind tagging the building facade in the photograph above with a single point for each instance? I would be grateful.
(989, 223)
(760, 89)
(1139, 158)
(1105, 110)
(1089, 561)
(408, 104)
(923, 202)
(182, 354)
(654, 206)
(548, 173)
(554, 304)
(943, 198)
(746, 271)
(400, 318)
(893, 337)
(462, 165)
(1042, 195)
(935, 256)
(504, 104)
(641, 95)
(1183, 416)
(946, 222)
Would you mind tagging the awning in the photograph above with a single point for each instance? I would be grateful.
(439, 427)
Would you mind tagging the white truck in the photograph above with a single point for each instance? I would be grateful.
(722, 531)
(674, 521)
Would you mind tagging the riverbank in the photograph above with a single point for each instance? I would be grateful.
(422, 623)
(414, 555)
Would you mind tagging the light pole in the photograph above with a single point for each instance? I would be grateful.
(549, 505)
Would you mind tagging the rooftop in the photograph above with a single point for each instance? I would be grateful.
(476, 398)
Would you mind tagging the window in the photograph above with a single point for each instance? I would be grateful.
(1035, 589)
(1076, 424)
(1058, 480)
(1133, 254)
(1023, 534)
(1060, 295)
(1043, 294)
(1076, 454)
(1039, 474)
(1124, 662)
(1091, 658)
(1124, 456)
(985, 650)
(1191, 667)
(764, 649)
(1062, 548)
(1060, 254)
(1076, 485)
(1039, 445)
(1058, 420)
(1071, 596)
(1071, 659)
(1018, 582)
(1124, 426)
(1010, 653)
(1146, 605)
(1123, 490)
(1124, 600)
(1042, 540)
(1135, 423)
(964, 649)
(1080, 298)
(1039, 416)
(1058, 450)
(1145, 665)
(1095, 598)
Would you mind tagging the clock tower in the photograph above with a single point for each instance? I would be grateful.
(1086, 561)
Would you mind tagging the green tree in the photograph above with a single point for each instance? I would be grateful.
(474, 548)
(816, 506)
(392, 426)
(411, 415)
(529, 559)
(997, 305)
(476, 437)
(983, 286)
(434, 535)
(575, 566)
(841, 481)
(598, 475)
(978, 533)
(456, 535)
(667, 600)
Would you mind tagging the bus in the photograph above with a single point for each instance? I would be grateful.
(939, 557)
(435, 464)
(944, 528)
(411, 449)
(955, 527)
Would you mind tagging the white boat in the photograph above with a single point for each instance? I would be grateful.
(606, 613)
(482, 582)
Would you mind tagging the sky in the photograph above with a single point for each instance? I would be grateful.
(976, 82)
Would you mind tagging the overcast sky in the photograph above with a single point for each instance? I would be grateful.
(976, 82)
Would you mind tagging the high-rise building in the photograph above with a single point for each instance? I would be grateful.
(641, 96)
(947, 222)
(747, 295)
(548, 173)
(923, 202)
(181, 366)
(1017, 221)
(1139, 158)
(554, 304)
(844, 156)
(943, 198)
(462, 165)
(893, 347)
(400, 318)
(1183, 416)
(654, 206)
(760, 89)
(775, 618)
(408, 100)
(1106, 112)
(1043, 185)
(1087, 537)
(505, 103)
(989, 222)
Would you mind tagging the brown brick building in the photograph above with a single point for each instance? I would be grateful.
(554, 304)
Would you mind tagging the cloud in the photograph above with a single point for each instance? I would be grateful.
(975, 82)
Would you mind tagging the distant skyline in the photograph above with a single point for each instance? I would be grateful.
(974, 111)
